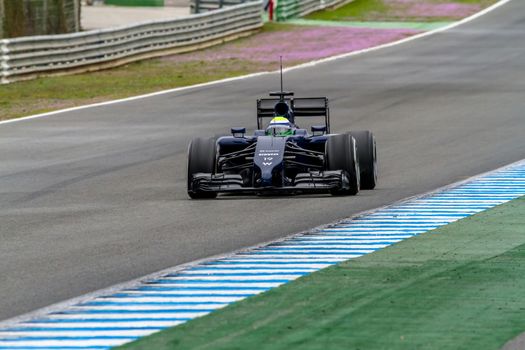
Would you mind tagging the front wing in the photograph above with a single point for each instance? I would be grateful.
(313, 182)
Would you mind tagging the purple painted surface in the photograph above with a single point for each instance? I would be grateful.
(299, 45)
(428, 9)
(302, 44)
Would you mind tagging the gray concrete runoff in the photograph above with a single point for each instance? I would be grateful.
(101, 16)
(95, 197)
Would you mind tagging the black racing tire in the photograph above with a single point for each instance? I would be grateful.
(367, 154)
(341, 154)
(201, 159)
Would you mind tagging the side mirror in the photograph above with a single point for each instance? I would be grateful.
(238, 132)
(318, 130)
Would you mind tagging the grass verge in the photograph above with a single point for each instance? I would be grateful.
(52, 93)
(457, 287)
(402, 10)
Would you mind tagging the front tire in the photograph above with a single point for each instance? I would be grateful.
(341, 154)
(367, 154)
(201, 159)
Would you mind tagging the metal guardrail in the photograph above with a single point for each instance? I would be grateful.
(28, 57)
(200, 6)
(296, 8)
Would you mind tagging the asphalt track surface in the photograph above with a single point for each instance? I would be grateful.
(95, 197)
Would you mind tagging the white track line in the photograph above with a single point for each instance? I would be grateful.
(248, 76)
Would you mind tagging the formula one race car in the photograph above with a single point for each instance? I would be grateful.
(283, 158)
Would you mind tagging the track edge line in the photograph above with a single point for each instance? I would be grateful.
(253, 75)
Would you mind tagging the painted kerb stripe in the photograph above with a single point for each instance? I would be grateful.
(173, 298)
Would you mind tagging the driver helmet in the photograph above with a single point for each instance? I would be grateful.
(279, 126)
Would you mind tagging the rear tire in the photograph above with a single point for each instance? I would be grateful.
(367, 154)
(341, 154)
(201, 159)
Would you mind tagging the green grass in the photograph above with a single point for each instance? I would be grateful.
(379, 10)
(358, 10)
(458, 287)
(51, 93)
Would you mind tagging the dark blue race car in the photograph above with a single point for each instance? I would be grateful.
(283, 158)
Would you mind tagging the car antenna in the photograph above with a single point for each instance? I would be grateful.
(282, 94)
(282, 90)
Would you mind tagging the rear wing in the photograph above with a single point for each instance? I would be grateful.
(316, 107)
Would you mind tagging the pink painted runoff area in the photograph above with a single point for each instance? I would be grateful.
(302, 44)
(430, 9)
(299, 44)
